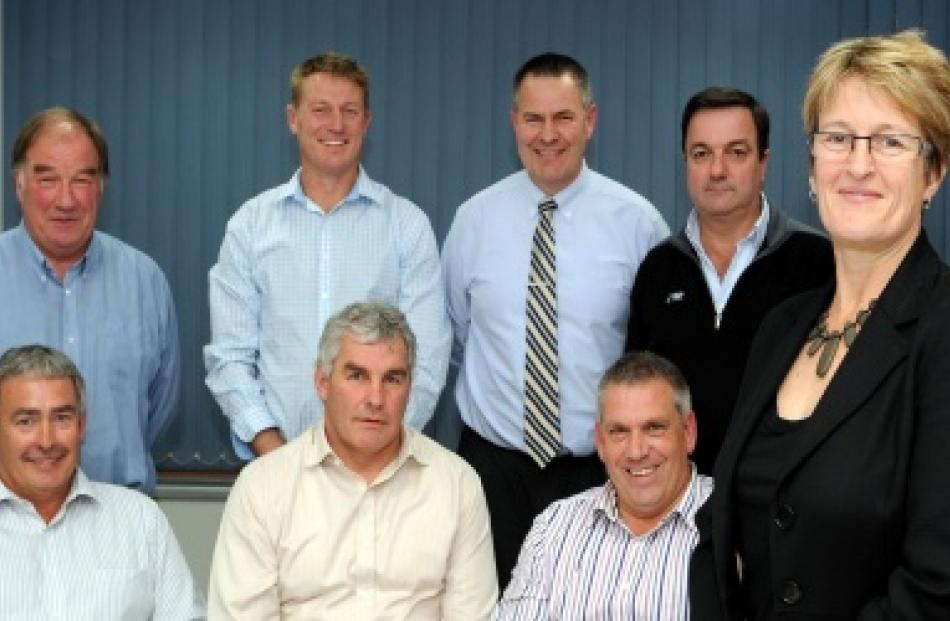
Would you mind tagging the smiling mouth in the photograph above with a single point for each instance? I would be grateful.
(642, 472)
(859, 194)
(333, 143)
(548, 153)
(46, 462)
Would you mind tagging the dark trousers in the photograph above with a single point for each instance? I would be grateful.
(517, 491)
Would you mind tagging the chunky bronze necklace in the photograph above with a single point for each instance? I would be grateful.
(827, 342)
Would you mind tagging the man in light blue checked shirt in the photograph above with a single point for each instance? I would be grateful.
(296, 254)
(621, 551)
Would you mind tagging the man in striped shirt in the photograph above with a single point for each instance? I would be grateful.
(72, 548)
(621, 550)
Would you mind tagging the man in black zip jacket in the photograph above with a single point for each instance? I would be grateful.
(700, 296)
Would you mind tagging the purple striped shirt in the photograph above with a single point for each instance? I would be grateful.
(580, 561)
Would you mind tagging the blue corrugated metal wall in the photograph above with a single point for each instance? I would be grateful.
(191, 96)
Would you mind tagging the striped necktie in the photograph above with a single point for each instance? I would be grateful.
(542, 427)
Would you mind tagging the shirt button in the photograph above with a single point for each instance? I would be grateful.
(784, 517)
(71, 339)
(68, 291)
(791, 592)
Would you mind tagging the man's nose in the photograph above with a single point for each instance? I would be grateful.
(637, 446)
(374, 393)
(66, 196)
(45, 433)
(548, 131)
(717, 168)
(336, 120)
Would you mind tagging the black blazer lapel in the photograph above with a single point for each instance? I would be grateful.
(775, 347)
(766, 368)
(879, 348)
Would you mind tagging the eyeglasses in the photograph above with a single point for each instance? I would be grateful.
(839, 145)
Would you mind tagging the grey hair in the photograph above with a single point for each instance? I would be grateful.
(637, 367)
(41, 362)
(369, 322)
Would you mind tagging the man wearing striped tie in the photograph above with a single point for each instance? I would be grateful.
(621, 550)
(538, 269)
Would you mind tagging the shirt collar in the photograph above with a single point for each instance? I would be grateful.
(81, 487)
(755, 236)
(38, 260)
(564, 198)
(685, 509)
(320, 453)
(364, 191)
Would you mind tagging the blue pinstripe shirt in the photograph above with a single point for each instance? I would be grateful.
(580, 561)
(108, 554)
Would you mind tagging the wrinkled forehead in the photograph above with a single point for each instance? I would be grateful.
(63, 144)
(24, 391)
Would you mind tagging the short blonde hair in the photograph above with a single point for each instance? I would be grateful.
(913, 73)
(339, 65)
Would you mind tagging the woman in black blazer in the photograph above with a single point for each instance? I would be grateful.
(832, 494)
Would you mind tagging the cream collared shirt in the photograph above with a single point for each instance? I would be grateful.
(303, 537)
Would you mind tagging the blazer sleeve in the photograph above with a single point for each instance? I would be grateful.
(919, 587)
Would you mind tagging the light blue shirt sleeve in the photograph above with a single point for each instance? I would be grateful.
(112, 314)
(284, 268)
(602, 232)
(165, 388)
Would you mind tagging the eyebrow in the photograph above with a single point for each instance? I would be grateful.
(732, 143)
(352, 366)
(883, 128)
(37, 412)
(46, 168)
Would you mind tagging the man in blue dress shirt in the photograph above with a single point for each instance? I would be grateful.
(296, 254)
(601, 232)
(102, 302)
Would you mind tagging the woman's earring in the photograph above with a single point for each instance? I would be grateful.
(812, 196)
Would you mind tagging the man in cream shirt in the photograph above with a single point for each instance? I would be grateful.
(360, 517)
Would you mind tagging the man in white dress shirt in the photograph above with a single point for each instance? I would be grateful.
(72, 548)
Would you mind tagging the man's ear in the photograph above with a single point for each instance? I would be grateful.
(599, 439)
(321, 381)
(291, 114)
(691, 431)
(18, 182)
